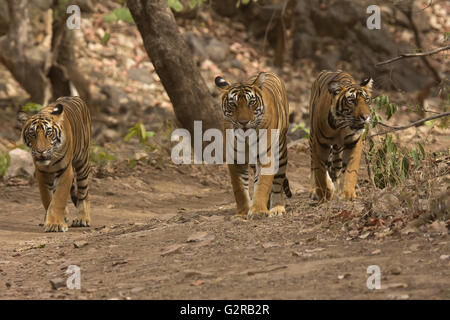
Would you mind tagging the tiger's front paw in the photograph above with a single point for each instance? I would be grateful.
(55, 227)
(277, 211)
(256, 213)
(79, 222)
(348, 195)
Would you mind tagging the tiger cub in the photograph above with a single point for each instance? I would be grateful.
(259, 103)
(339, 111)
(59, 137)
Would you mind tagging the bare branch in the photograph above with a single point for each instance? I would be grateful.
(413, 55)
(413, 124)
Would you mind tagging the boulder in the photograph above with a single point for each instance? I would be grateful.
(21, 164)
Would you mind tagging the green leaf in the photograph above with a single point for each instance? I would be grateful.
(175, 5)
(119, 14)
(32, 107)
(106, 38)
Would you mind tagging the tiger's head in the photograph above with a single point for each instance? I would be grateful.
(242, 103)
(350, 103)
(43, 133)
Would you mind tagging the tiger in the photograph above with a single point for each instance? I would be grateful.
(59, 136)
(338, 112)
(258, 103)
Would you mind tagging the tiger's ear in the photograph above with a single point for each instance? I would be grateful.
(57, 109)
(221, 83)
(259, 81)
(367, 84)
(22, 117)
(334, 87)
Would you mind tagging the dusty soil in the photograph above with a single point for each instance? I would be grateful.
(169, 233)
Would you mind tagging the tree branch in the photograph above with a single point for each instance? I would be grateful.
(412, 55)
(413, 124)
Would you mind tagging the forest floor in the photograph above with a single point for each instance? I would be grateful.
(161, 231)
(169, 233)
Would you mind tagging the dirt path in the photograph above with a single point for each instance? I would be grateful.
(170, 234)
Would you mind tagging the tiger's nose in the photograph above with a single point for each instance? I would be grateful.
(365, 118)
(244, 123)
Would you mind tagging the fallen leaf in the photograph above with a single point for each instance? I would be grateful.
(176, 248)
(197, 283)
(314, 250)
(196, 273)
(375, 252)
(394, 285)
(344, 276)
(268, 245)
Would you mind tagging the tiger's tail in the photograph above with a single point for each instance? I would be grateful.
(286, 188)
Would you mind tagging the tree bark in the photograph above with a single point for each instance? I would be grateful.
(44, 70)
(174, 65)
(28, 64)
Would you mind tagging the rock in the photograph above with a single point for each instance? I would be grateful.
(21, 164)
(80, 244)
(217, 50)
(444, 257)
(110, 135)
(196, 237)
(385, 201)
(140, 75)
(396, 270)
(58, 283)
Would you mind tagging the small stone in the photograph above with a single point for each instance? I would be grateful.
(196, 237)
(137, 289)
(80, 244)
(444, 257)
(58, 283)
(396, 270)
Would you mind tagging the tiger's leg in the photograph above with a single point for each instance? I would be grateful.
(352, 157)
(83, 218)
(45, 183)
(57, 212)
(277, 207)
(261, 196)
(312, 179)
(336, 165)
(322, 181)
(239, 182)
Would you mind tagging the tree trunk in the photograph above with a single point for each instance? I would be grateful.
(44, 70)
(28, 64)
(174, 65)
